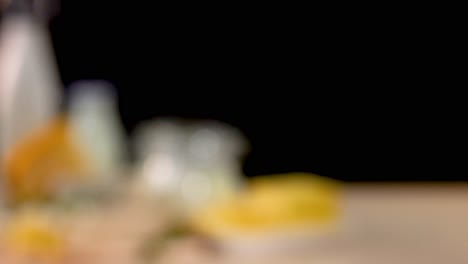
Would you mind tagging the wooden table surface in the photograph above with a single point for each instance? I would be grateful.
(384, 223)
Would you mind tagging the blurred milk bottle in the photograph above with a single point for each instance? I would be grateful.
(214, 172)
(29, 83)
(160, 154)
(97, 128)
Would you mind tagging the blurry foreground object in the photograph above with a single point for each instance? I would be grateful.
(96, 127)
(32, 237)
(43, 164)
(194, 163)
(274, 207)
(275, 214)
(29, 94)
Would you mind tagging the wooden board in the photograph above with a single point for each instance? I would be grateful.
(393, 223)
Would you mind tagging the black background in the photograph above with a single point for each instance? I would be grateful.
(310, 94)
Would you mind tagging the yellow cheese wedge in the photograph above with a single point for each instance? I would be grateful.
(32, 235)
(274, 203)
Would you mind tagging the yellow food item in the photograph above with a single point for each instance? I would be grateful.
(37, 166)
(32, 235)
(274, 203)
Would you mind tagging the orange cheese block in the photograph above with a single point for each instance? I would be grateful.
(41, 163)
